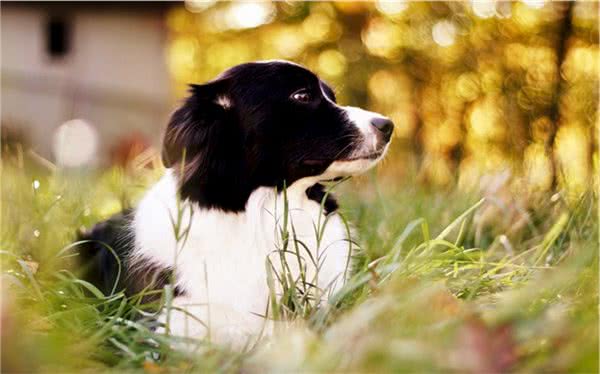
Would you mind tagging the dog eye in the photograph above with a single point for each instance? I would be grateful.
(302, 96)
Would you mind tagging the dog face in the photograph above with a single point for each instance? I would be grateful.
(267, 124)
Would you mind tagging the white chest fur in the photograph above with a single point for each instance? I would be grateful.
(221, 262)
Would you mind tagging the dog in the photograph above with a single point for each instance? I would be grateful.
(245, 158)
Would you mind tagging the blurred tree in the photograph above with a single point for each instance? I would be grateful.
(473, 87)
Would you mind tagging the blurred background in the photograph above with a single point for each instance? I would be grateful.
(475, 88)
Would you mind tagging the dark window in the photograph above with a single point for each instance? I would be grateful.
(58, 37)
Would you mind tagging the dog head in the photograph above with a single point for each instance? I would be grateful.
(267, 124)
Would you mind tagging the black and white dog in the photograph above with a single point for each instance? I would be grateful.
(216, 216)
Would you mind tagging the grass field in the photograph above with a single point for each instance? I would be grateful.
(444, 281)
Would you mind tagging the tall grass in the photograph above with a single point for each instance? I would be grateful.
(440, 281)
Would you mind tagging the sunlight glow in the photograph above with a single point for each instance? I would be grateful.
(181, 56)
(444, 33)
(573, 154)
(332, 63)
(288, 42)
(249, 15)
(318, 27)
(196, 6)
(537, 167)
(381, 37)
(453, 109)
(391, 7)
(483, 8)
(534, 4)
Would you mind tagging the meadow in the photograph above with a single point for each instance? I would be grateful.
(454, 271)
(485, 280)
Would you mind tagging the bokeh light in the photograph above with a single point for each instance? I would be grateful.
(535, 4)
(332, 63)
(391, 8)
(474, 88)
(484, 8)
(381, 37)
(444, 33)
(75, 143)
(248, 15)
(198, 5)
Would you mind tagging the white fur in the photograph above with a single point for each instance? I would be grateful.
(362, 120)
(224, 101)
(222, 263)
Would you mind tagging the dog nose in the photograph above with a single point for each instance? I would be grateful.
(385, 125)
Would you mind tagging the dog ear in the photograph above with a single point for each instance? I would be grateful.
(203, 145)
(202, 108)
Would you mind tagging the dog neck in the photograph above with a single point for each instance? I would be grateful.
(205, 232)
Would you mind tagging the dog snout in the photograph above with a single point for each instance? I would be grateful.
(384, 125)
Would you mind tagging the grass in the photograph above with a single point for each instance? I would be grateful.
(444, 281)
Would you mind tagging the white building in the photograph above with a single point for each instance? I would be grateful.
(104, 63)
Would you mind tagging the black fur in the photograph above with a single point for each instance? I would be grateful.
(317, 193)
(99, 251)
(264, 138)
